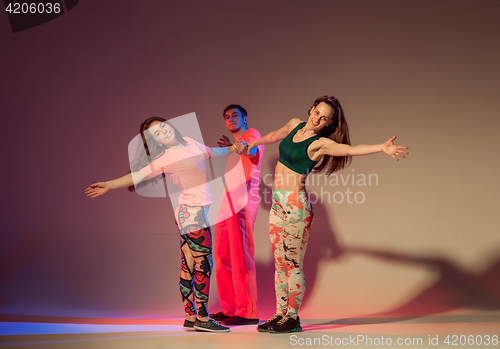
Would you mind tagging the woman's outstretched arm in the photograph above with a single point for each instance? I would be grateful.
(330, 147)
(220, 152)
(101, 188)
(277, 135)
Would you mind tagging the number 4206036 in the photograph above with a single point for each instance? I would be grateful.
(33, 8)
(471, 340)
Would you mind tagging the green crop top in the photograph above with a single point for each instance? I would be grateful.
(294, 154)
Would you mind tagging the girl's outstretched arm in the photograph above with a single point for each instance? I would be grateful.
(277, 135)
(220, 152)
(330, 147)
(101, 188)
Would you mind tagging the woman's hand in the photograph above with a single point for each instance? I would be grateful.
(97, 189)
(249, 147)
(391, 149)
(240, 147)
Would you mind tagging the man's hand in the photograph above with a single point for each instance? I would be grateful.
(224, 142)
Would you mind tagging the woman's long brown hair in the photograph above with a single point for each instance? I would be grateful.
(336, 131)
(148, 150)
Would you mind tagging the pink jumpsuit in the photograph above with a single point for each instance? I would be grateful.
(234, 247)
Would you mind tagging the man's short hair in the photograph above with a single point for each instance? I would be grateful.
(235, 106)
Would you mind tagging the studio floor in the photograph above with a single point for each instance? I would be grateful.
(472, 329)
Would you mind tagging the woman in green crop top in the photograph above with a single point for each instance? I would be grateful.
(321, 145)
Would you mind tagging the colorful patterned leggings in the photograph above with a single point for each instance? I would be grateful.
(196, 253)
(290, 222)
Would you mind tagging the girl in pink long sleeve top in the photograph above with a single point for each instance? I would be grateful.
(183, 161)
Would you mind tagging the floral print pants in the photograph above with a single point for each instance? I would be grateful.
(290, 223)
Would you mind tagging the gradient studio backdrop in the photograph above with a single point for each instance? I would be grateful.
(75, 90)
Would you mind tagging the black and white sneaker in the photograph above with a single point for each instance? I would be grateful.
(269, 323)
(286, 325)
(209, 326)
(188, 325)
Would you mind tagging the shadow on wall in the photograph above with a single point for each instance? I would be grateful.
(454, 289)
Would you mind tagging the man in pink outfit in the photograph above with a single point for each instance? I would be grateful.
(234, 247)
